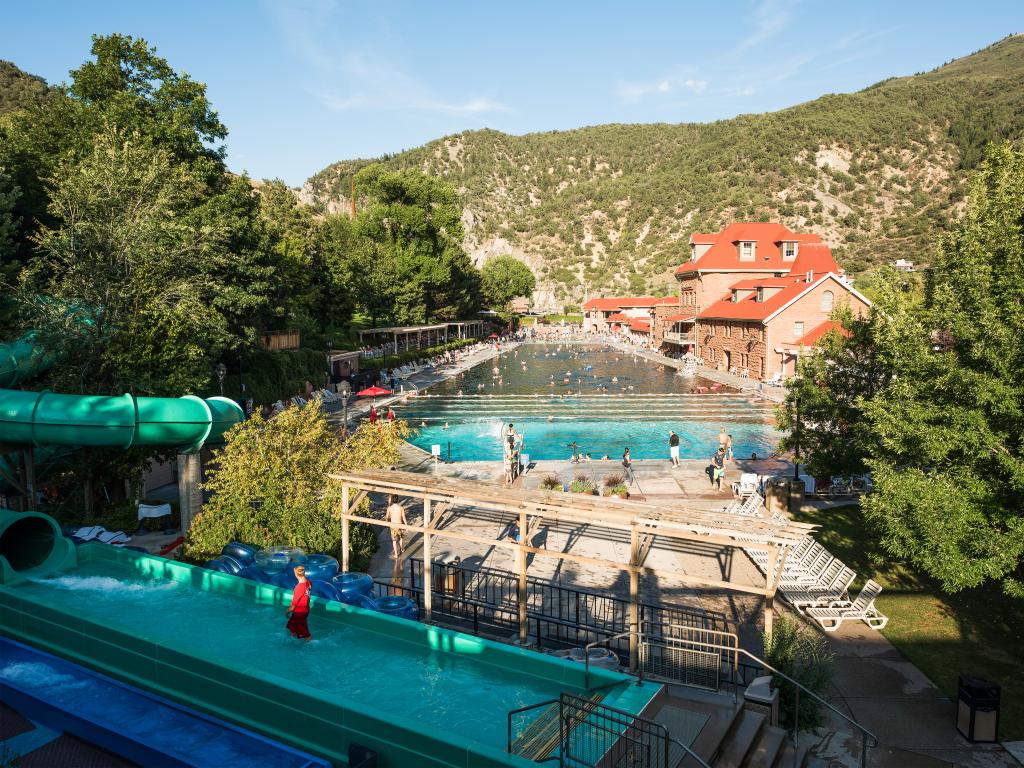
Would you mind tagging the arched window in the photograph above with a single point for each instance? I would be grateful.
(826, 301)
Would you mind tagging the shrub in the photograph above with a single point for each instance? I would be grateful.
(551, 482)
(612, 479)
(582, 484)
(805, 657)
(269, 483)
(616, 490)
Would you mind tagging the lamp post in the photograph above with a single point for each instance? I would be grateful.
(344, 389)
(796, 441)
(221, 370)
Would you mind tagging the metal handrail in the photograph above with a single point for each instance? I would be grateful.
(865, 733)
(690, 752)
(527, 708)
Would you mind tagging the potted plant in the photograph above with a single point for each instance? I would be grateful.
(582, 484)
(551, 482)
(614, 485)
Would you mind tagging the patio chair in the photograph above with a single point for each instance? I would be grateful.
(819, 596)
(831, 617)
(775, 380)
(822, 580)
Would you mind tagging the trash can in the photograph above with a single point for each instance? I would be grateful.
(784, 494)
(762, 697)
(449, 578)
(977, 709)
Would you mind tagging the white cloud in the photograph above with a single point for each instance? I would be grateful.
(769, 19)
(360, 79)
(632, 92)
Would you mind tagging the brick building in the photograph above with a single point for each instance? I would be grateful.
(754, 297)
(627, 314)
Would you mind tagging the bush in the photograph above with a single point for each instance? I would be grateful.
(396, 360)
(612, 480)
(269, 483)
(551, 483)
(805, 657)
(582, 484)
(616, 490)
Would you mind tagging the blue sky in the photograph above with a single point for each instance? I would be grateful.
(302, 83)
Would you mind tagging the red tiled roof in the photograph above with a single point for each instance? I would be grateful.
(724, 254)
(639, 325)
(765, 282)
(618, 317)
(618, 302)
(677, 318)
(816, 258)
(750, 308)
(702, 238)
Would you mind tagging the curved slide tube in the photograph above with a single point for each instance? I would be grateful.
(49, 419)
(31, 545)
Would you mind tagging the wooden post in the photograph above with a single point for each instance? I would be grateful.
(428, 568)
(634, 598)
(770, 580)
(524, 620)
(344, 529)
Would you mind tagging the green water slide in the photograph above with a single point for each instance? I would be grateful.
(43, 419)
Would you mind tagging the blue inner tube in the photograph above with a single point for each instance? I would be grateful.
(321, 567)
(218, 564)
(324, 589)
(242, 552)
(254, 573)
(360, 601)
(279, 558)
(285, 579)
(396, 605)
(353, 582)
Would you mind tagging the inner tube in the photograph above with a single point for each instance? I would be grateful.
(324, 589)
(353, 582)
(599, 657)
(280, 557)
(284, 579)
(359, 601)
(321, 567)
(223, 564)
(242, 552)
(253, 573)
(398, 606)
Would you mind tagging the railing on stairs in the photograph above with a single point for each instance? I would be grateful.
(580, 732)
(729, 654)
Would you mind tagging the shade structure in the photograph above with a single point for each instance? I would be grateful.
(373, 392)
(493, 336)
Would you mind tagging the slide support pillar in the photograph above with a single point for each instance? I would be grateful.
(190, 496)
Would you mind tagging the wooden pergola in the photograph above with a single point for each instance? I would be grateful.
(642, 520)
(412, 336)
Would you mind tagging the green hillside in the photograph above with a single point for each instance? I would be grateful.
(19, 89)
(877, 173)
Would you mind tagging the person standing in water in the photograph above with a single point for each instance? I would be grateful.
(298, 611)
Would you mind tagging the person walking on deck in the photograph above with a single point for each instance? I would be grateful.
(627, 466)
(673, 448)
(298, 611)
(396, 515)
(718, 467)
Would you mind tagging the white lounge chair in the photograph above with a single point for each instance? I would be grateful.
(817, 597)
(831, 617)
(774, 381)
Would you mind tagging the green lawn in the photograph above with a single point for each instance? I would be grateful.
(979, 631)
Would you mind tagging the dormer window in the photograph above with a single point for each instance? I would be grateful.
(789, 248)
(747, 250)
(760, 294)
(735, 296)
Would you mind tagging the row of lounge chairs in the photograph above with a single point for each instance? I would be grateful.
(320, 395)
(814, 582)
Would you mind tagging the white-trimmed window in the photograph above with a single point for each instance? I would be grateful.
(747, 250)
(827, 299)
(760, 294)
(788, 250)
(798, 329)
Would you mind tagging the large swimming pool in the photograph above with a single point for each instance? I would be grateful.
(601, 398)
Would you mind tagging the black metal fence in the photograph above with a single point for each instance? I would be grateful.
(485, 601)
(592, 734)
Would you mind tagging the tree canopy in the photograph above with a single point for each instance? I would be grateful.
(504, 278)
(929, 396)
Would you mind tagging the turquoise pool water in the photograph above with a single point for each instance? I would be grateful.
(441, 690)
(601, 398)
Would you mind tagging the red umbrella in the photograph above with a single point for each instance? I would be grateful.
(493, 336)
(373, 392)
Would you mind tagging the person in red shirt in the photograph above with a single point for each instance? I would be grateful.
(391, 414)
(298, 611)
(373, 415)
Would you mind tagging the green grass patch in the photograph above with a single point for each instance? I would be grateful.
(978, 631)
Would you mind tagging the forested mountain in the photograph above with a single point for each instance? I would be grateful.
(878, 173)
(19, 89)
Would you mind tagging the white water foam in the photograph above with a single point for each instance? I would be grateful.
(106, 584)
(36, 674)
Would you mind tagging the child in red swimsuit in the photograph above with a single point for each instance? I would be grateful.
(298, 611)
